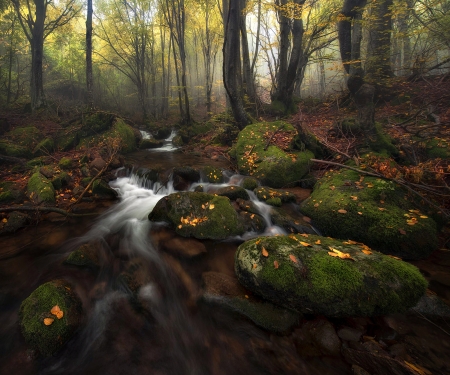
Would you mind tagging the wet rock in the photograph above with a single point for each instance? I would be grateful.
(350, 334)
(137, 273)
(16, 220)
(102, 190)
(373, 211)
(225, 291)
(252, 222)
(86, 255)
(48, 339)
(97, 164)
(199, 215)
(199, 189)
(298, 272)
(432, 307)
(357, 370)
(183, 177)
(10, 192)
(45, 147)
(233, 192)
(47, 171)
(264, 194)
(283, 219)
(213, 174)
(40, 189)
(250, 183)
(184, 247)
(65, 163)
(267, 162)
(150, 143)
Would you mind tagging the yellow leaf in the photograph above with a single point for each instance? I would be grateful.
(48, 321)
(293, 258)
(342, 211)
(255, 265)
(5, 220)
(275, 264)
(306, 244)
(336, 253)
(304, 235)
(423, 217)
(203, 206)
(350, 242)
(180, 226)
(265, 252)
(367, 252)
(394, 257)
(359, 213)
(354, 197)
(55, 309)
(211, 206)
(332, 187)
(381, 208)
(59, 314)
(317, 242)
(370, 185)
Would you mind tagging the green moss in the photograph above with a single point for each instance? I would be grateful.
(67, 140)
(276, 202)
(65, 163)
(28, 136)
(310, 280)
(10, 149)
(96, 123)
(213, 174)
(382, 142)
(33, 310)
(150, 143)
(233, 193)
(125, 133)
(250, 183)
(44, 147)
(437, 148)
(84, 256)
(376, 213)
(265, 194)
(39, 161)
(40, 189)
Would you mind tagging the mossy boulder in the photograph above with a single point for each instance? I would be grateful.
(250, 183)
(187, 173)
(48, 339)
(45, 147)
(213, 174)
(86, 256)
(265, 194)
(198, 215)
(150, 143)
(11, 149)
(16, 220)
(437, 148)
(27, 136)
(65, 163)
(102, 190)
(371, 210)
(96, 123)
(233, 192)
(225, 292)
(298, 273)
(10, 192)
(274, 167)
(290, 223)
(40, 189)
(162, 132)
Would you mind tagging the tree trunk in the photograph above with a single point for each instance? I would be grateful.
(90, 97)
(37, 52)
(231, 64)
(248, 79)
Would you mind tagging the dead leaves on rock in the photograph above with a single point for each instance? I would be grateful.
(57, 312)
(339, 254)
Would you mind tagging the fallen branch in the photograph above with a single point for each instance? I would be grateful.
(273, 135)
(397, 181)
(12, 159)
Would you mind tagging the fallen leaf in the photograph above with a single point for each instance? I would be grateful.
(381, 208)
(359, 213)
(316, 205)
(336, 253)
(354, 197)
(423, 217)
(370, 185)
(255, 265)
(48, 321)
(394, 257)
(203, 206)
(367, 252)
(55, 309)
(5, 220)
(349, 242)
(342, 211)
(304, 235)
(252, 216)
(307, 219)
(59, 314)
(332, 187)
(293, 258)
(306, 244)
(317, 242)
(265, 252)
(421, 370)
(211, 206)
(402, 231)
(180, 226)
(275, 264)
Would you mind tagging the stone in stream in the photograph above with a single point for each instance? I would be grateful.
(283, 219)
(40, 189)
(199, 215)
(233, 192)
(43, 330)
(319, 275)
(226, 292)
(346, 205)
(86, 255)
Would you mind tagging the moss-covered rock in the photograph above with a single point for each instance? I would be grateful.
(162, 132)
(96, 123)
(198, 215)
(45, 147)
(67, 139)
(40, 189)
(177, 141)
(102, 190)
(15, 221)
(250, 183)
(27, 136)
(187, 173)
(299, 273)
(213, 174)
(224, 291)
(60, 180)
(11, 149)
(65, 163)
(48, 339)
(291, 224)
(10, 192)
(374, 211)
(150, 143)
(86, 255)
(272, 166)
(233, 192)
(265, 194)
(437, 148)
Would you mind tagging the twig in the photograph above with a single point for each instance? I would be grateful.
(428, 320)
(43, 209)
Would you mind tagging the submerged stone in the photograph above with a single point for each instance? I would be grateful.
(198, 215)
(305, 273)
(371, 210)
(42, 330)
(86, 255)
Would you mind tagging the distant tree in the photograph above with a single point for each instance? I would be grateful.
(32, 17)
(89, 83)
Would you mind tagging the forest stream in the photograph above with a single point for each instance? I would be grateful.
(171, 330)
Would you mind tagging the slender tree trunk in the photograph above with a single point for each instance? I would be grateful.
(10, 62)
(232, 64)
(89, 79)
(248, 79)
(356, 39)
(37, 53)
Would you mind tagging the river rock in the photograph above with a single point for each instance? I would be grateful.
(265, 193)
(40, 189)
(48, 339)
(317, 337)
(86, 255)
(226, 292)
(184, 247)
(273, 166)
(346, 205)
(199, 215)
(283, 219)
(16, 220)
(212, 174)
(305, 273)
(233, 192)
(432, 307)
(102, 190)
(150, 143)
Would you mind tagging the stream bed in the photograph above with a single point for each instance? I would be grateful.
(171, 331)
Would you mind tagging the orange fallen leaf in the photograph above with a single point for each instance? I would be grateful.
(367, 252)
(293, 258)
(304, 243)
(265, 252)
(317, 242)
(349, 242)
(402, 231)
(307, 219)
(304, 235)
(180, 226)
(359, 213)
(354, 197)
(332, 187)
(255, 265)
(316, 205)
(48, 321)
(55, 309)
(211, 206)
(275, 264)
(423, 217)
(342, 211)
(394, 257)
(336, 253)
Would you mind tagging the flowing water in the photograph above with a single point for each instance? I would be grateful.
(168, 331)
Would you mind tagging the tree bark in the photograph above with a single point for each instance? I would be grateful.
(248, 79)
(89, 84)
(231, 63)
(37, 53)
